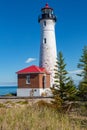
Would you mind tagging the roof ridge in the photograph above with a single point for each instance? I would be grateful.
(38, 68)
(32, 68)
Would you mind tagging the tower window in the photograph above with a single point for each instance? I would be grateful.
(28, 79)
(45, 40)
(44, 23)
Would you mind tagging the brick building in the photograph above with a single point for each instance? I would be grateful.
(33, 81)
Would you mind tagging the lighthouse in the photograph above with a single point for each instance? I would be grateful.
(48, 50)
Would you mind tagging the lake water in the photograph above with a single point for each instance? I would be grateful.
(7, 89)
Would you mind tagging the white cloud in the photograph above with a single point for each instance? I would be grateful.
(75, 72)
(30, 60)
(74, 76)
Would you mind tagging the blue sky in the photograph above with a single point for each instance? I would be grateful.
(20, 34)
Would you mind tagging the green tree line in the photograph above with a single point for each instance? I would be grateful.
(64, 88)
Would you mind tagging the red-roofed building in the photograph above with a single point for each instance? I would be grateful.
(33, 80)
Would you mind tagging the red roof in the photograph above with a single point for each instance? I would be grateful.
(32, 69)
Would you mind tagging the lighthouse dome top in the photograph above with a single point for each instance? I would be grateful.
(47, 7)
(47, 14)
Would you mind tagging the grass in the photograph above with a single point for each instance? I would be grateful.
(23, 102)
(2, 105)
(34, 117)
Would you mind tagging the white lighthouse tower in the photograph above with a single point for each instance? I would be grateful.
(48, 52)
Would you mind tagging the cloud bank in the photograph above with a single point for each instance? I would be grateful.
(73, 75)
(75, 72)
(8, 83)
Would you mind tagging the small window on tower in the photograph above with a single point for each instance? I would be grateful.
(28, 79)
(44, 23)
(44, 40)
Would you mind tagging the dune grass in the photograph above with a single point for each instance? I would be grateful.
(29, 117)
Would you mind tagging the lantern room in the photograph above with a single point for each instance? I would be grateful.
(47, 13)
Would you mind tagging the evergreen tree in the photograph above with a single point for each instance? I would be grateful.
(60, 71)
(83, 66)
(71, 90)
(65, 87)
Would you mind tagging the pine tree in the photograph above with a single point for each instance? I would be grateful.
(65, 87)
(83, 66)
(71, 90)
(60, 71)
